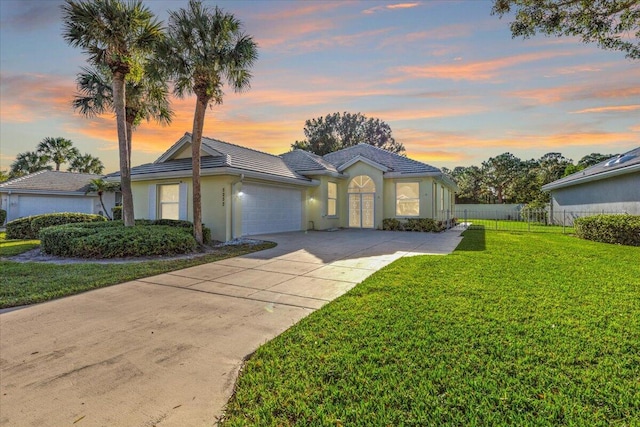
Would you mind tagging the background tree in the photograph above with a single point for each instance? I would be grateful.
(59, 150)
(29, 162)
(612, 24)
(337, 131)
(86, 163)
(100, 186)
(4, 176)
(204, 49)
(586, 161)
(499, 174)
(116, 35)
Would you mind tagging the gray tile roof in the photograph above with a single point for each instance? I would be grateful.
(50, 181)
(224, 155)
(304, 161)
(629, 160)
(394, 162)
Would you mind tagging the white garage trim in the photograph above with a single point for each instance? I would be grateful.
(270, 209)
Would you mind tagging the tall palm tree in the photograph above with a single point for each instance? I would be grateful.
(101, 186)
(117, 35)
(29, 162)
(204, 49)
(86, 163)
(59, 150)
(146, 98)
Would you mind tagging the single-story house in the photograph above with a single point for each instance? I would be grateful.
(612, 186)
(52, 191)
(248, 192)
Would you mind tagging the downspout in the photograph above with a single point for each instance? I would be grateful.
(233, 204)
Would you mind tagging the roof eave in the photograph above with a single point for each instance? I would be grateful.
(45, 192)
(590, 178)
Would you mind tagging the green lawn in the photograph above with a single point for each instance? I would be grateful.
(512, 329)
(28, 283)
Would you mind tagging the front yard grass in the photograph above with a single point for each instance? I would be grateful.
(15, 247)
(31, 282)
(512, 329)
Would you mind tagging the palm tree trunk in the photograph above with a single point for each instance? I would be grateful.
(196, 142)
(123, 148)
(104, 208)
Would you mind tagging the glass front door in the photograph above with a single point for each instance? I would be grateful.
(361, 210)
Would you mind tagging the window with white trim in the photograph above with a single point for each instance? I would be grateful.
(407, 199)
(169, 201)
(332, 199)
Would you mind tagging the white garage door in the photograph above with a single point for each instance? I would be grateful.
(268, 209)
(36, 205)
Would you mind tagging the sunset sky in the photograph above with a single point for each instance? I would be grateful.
(445, 75)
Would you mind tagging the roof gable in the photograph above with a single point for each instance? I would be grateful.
(628, 162)
(50, 181)
(394, 163)
(305, 161)
(365, 160)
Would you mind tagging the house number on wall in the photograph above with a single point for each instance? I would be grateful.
(222, 196)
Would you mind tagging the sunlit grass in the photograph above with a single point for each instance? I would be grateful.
(15, 247)
(512, 329)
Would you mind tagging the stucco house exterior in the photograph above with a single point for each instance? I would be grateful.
(612, 186)
(52, 191)
(247, 192)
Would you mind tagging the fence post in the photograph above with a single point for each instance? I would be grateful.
(466, 223)
(496, 220)
(529, 220)
(564, 216)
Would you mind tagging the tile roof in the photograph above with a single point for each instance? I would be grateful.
(394, 162)
(617, 164)
(50, 181)
(223, 155)
(304, 161)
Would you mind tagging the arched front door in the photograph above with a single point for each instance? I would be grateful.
(362, 192)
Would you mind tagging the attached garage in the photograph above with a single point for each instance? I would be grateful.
(270, 209)
(36, 205)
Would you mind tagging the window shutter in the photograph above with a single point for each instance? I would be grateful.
(153, 204)
(182, 207)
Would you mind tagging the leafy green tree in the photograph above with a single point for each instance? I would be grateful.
(59, 150)
(469, 181)
(337, 131)
(586, 161)
(4, 176)
(29, 162)
(499, 173)
(612, 24)
(86, 163)
(551, 167)
(100, 186)
(119, 36)
(204, 49)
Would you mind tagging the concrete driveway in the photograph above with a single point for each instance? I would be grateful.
(166, 350)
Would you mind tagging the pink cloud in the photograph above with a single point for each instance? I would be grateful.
(391, 7)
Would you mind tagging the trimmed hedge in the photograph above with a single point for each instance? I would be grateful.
(93, 241)
(3, 216)
(116, 212)
(617, 229)
(412, 224)
(29, 227)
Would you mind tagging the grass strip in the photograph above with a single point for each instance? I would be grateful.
(511, 329)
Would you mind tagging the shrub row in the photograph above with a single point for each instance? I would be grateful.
(412, 224)
(29, 227)
(618, 229)
(3, 216)
(90, 241)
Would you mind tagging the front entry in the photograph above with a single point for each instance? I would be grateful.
(362, 197)
(361, 210)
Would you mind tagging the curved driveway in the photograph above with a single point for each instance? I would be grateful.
(166, 350)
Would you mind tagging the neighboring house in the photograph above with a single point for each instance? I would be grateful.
(612, 186)
(51, 191)
(247, 192)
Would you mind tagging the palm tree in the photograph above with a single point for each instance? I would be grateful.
(118, 36)
(86, 163)
(146, 98)
(29, 162)
(59, 150)
(101, 186)
(204, 49)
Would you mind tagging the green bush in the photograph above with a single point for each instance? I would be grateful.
(206, 232)
(116, 212)
(412, 224)
(92, 241)
(618, 229)
(20, 228)
(3, 216)
(29, 227)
